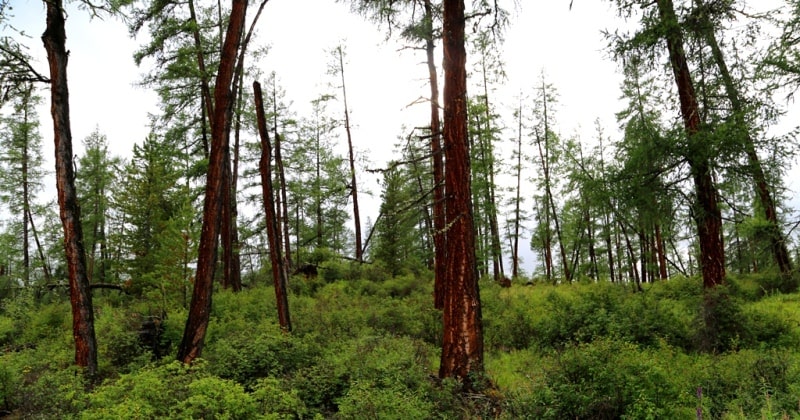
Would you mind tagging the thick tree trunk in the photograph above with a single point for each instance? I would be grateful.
(462, 343)
(437, 155)
(191, 344)
(706, 213)
(54, 39)
(279, 272)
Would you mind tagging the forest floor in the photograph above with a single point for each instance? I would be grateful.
(365, 347)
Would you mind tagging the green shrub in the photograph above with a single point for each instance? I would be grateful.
(365, 400)
(171, 390)
(277, 401)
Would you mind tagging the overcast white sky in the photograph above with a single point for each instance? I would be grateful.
(382, 80)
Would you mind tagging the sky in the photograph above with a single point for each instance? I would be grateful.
(383, 78)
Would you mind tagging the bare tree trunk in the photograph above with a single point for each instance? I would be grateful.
(54, 39)
(353, 184)
(517, 204)
(279, 273)
(707, 214)
(462, 342)
(662, 256)
(40, 250)
(437, 154)
(191, 344)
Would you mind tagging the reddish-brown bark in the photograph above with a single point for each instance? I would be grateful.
(54, 39)
(707, 214)
(462, 343)
(191, 344)
(279, 272)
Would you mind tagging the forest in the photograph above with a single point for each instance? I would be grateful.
(225, 269)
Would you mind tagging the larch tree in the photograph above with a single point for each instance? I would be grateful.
(191, 344)
(95, 174)
(54, 39)
(279, 271)
(338, 70)
(462, 342)
(21, 175)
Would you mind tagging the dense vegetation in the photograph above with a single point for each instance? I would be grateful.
(664, 284)
(365, 346)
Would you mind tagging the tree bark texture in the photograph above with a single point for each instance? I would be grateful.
(462, 343)
(279, 271)
(191, 344)
(706, 213)
(54, 39)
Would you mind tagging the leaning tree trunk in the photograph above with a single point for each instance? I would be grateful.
(279, 272)
(462, 343)
(707, 214)
(54, 39)
(352, 159)
(776, 238)
(200, 307)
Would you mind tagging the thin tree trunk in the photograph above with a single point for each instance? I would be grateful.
(497, 257)
(26, 202)
(191, 344)
(662, 256)
(284, 217)
(54, 39)
(40, 250)
(462, 342)
(279, 272)
(437, 155)
(517, 202)
(353, 184)
(707, 214)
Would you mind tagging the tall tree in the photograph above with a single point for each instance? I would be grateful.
(279, 272)
(54, 39)
(21, 174)
(96, 170)
(462, 342)
(707, 213)
(703, 14)
(338, 69)
(196, 324)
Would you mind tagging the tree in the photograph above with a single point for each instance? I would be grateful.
(338, 69)
(707, 31)
(196, 324)
(54, 39)
(96, 170)
(22, 173)
(462, 342)
(279, 272)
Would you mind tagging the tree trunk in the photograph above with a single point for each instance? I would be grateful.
(517, 201)
(776, 238)
(191, 344)
(54, 39)
(437, 154)
(284, 217)
(462, 343)
(279, 272)
(707, 214)
(353, 184)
